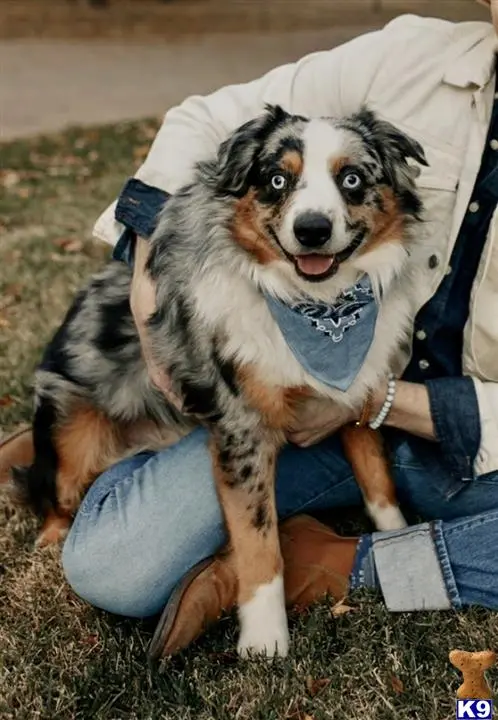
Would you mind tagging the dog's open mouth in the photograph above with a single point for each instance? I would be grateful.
(315, 267)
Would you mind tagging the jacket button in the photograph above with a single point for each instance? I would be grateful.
(474, 207)
(421, 335)
(423, 364)
(433, 262)
(494, 144)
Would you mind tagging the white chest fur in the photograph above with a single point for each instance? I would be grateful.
(232, 304)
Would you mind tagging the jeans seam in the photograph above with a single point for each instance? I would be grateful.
(444, 561)
(466, 524)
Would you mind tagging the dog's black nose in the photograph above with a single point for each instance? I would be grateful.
(312, 229)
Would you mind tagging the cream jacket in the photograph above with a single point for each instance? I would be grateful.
(432, 78)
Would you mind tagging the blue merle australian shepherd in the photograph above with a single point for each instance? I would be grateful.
(281, 273)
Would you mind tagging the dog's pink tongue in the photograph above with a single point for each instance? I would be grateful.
(314, 264)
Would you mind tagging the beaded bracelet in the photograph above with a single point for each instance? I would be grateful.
(387, 405)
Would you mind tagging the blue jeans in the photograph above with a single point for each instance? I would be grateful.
(146, 521)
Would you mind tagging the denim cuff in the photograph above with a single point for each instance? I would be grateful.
(409, 569)
(138, 208)
(455, 413)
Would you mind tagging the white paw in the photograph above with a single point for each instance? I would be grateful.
(265, 642)
(388, 517)
(263, 622)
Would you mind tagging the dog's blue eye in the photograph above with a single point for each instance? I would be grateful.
(351, 181)
(278, 182)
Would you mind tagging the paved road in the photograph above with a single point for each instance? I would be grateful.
(46, 86)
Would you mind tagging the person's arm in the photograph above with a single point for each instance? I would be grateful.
(143, 305)
(411, 409)
(447, 411)
(334, 82)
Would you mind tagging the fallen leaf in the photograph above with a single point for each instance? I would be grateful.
(69, 245)
(74, 246)
(4, 323)
(6, 401)
(224, 658)
(139, 153)
(13, 255)
(91, 640)
(316, 686)
(9, 178)
(340, 608)
(298, 715)
(14, 290)
(397, 685)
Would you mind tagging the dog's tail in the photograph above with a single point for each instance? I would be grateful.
(35, 485)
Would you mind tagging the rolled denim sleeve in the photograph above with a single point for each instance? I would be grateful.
(455, 413)
(137, 209)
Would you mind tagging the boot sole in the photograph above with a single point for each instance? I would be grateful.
(170, 612)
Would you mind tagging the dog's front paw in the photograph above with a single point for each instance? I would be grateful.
(266, 641)
(263, 622)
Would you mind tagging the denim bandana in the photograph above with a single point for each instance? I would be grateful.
(331, 342)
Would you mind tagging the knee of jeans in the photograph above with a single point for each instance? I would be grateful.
(136, 589)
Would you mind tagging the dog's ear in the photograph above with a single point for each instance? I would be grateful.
(236, 156)
(388, 138)
(393, 146)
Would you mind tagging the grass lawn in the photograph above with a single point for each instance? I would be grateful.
(61, 659)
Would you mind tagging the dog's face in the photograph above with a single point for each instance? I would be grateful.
(319, 193)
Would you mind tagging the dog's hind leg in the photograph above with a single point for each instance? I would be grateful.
(364, 449)
(36, 485)
(244, 467)
(69, 454)
(87, 443)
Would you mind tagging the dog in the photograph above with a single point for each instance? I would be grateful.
(312, 217)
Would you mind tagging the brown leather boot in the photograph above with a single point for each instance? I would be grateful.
(317, 562)
(16, 449)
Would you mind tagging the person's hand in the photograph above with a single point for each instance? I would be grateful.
(143, 305)
(316, 419)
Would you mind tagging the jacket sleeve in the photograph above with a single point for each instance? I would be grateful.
(333, 82)
(465, 415)
(455, 413)
(487, 399)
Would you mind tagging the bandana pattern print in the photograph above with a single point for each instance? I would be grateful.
(334, 320)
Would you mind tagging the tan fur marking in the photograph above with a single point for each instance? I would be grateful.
(87, 444)
(337, 164)
(364, 450)
(293, 162)
(256, 554)
(248, 231)
(276, 405)
(386, 226)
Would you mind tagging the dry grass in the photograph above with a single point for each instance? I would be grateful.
(62, 660)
